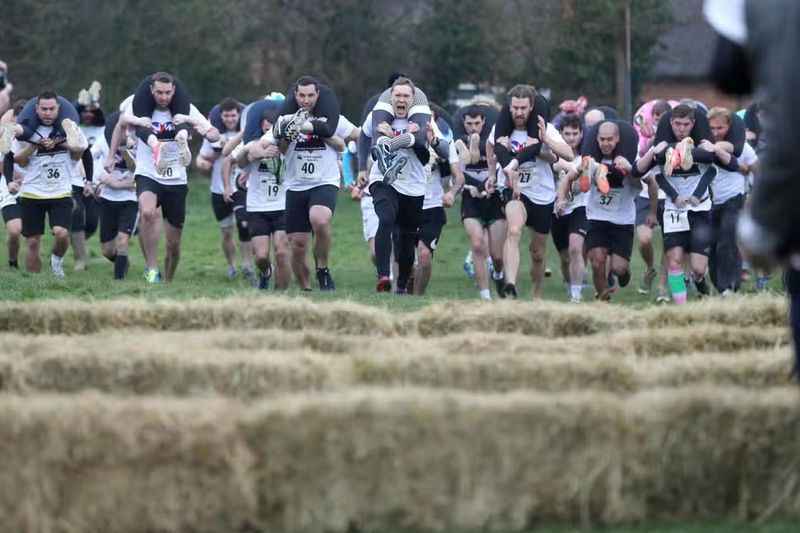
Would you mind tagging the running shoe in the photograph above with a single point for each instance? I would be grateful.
(295, 123)
(510, 290)
(6, 137)
(382, 156)
(761, 283)
(263, 278)
(686, 153)
(548, 272)
(647, 281)
(499, 285)
(384, 284)
(76, 140)
(394, 170)
(469, 267)
(663, 296)
(669, 163)
(158, 161)
(601, 179)
(613, 283)
(585, 178)
(231, 272)
(325, 280)
(624, 279)
(184, 154)
(702, 287)
(152, 275)
(94, 93)
(83, 98)
(57, 267)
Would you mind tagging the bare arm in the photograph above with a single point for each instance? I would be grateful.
(232, 143)
(116, 139)
(335, 142)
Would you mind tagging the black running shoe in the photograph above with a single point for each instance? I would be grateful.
(325, 280)
(263, 279)
(510, 290)
(624, 279)
(702, 286)
(500, 285)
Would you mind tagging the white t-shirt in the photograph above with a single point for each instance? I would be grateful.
(618, 206)
(208, 151)
(266, 191)
(685, 184)
(48, 175)
(96, 137)
(434, 192)
(310, 162)
(119, 195)
(412, 178)
(578, 199)
(645, 193)
(728, 184)
(536, 179)
(164, 129)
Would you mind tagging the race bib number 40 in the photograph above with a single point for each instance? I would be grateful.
(676, 220)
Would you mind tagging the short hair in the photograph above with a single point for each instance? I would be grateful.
(475, 111)
(307, 80)
(683, 111)
(720, 112)
(610, 123)
(162, 77)
(660, 107)
(571, 120)
(393, 76)
(228, 104)
(18, 105)
(402, 80)
(47, 95)
(523, 91)
(270, 114)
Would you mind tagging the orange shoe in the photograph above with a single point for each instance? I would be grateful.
(584, 180)
(384, 284)
(601, 179)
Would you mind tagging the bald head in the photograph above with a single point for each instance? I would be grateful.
(593, 117)
(608, 137)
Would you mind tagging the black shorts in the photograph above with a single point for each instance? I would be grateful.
(566, 225)
(695, 241)
(78, 221)
(58, 211)
(117, 217)
(265, 223)
(485, 210)
(221, 208)
(171, 198)
(643, 209)
(298, 204)
(616, 238)
(11, 212)
(540, 217)
(433, 220)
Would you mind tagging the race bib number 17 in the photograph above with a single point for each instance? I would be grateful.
(676, 220)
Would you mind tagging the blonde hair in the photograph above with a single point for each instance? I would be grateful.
(720, 112)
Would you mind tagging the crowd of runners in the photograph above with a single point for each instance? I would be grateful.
(594, 183)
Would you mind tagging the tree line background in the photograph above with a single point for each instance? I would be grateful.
(247, 48)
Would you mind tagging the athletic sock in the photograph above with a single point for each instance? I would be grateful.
(404, 140)
(677, 286)
(576, 291)
(486, 294)
(120, 266)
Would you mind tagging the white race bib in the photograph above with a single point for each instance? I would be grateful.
(171, 157)
(53, 172)
(527, 177)
(609, 201)
(676, 220)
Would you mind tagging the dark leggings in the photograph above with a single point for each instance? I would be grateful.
(327, 106)
(29, 120)
(144, 104)
(399, 219)
(255, 113)
(792, 280)
(504, 127)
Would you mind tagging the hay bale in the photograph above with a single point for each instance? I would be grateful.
(380, 459)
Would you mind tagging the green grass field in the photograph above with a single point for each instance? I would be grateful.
(202, 270)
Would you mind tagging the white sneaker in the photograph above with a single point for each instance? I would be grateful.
(57, 266)
(575, 300)
(184, 154)
(94, 92)
(83, 98)
(76, 140)
(6, 137)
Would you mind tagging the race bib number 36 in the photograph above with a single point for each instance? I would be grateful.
(53, 173)
(676, 220)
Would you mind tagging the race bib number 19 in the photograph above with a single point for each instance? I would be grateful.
(676, 220)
